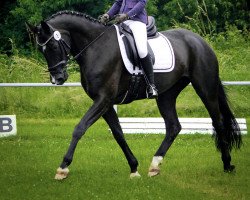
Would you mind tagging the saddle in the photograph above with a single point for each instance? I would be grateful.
(133, 56)
(129, 41)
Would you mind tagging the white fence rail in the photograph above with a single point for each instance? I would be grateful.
(77, 84)
(39, 85)
(156, 125)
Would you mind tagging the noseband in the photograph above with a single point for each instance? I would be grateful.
(63, 46)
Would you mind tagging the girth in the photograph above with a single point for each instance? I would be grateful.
(133, 90)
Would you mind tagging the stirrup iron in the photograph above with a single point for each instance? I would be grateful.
(151, 92)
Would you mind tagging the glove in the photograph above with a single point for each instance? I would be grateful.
(104, 18)
(121, 18)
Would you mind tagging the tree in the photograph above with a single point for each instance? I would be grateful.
(202, 16)
(33, 11)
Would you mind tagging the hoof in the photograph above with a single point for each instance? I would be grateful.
(153, 171)
(230, 169)
(61, 173)
(154, 168)
(135, 175)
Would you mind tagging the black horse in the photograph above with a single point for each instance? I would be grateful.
(106, 81)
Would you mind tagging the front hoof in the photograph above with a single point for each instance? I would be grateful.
(61, 173)
(153, 171)
(230, 169)
(135, 175)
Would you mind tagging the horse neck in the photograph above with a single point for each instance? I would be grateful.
(82, 29)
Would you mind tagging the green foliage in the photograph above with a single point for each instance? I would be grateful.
(202, 16)
(33, 11)
(232, 48)
(35, 101)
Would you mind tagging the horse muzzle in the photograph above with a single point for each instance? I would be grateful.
(60, 78)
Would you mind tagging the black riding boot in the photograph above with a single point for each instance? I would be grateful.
(148, 70)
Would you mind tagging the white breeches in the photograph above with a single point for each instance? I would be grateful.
(140, 34)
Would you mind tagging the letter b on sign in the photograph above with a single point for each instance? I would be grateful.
(7, 125)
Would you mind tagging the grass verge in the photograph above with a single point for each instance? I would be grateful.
(192, 168)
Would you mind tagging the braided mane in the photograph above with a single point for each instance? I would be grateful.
(73, 13)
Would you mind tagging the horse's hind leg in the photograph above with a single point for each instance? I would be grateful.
(167, 106)
(215, 103)
(112, 119)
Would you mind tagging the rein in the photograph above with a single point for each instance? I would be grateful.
(93, 41)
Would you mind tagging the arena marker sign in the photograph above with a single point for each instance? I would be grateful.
(7, 125)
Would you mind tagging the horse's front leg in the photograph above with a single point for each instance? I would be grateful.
(112, 119)
(94, 113)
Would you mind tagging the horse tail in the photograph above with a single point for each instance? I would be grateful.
(232, 133)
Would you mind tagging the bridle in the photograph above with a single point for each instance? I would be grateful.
(64, 46)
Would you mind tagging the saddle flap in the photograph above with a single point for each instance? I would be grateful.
(130, 44)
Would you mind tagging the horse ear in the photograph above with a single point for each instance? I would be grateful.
(45, 27)
(31, 28)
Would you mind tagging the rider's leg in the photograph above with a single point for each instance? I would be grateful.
(140, 34)
(148, 69)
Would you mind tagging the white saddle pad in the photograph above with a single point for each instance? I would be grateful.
(163, 51)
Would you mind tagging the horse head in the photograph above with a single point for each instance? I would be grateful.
(55, 46)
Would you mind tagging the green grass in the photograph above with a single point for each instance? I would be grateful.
(192, 168)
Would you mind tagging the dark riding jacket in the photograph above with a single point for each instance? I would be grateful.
(134, 8)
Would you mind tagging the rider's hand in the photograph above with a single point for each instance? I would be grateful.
(104, 18)
(121, 18)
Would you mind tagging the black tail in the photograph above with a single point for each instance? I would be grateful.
(231, 127)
